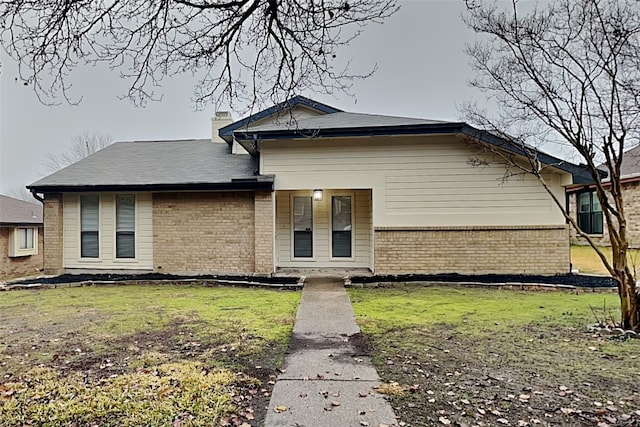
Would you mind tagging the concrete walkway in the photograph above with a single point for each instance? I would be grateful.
(327, 382)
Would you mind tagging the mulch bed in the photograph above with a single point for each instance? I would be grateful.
(577, 280)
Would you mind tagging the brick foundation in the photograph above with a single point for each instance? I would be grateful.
(472, 250)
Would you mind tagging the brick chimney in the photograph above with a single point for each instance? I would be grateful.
(219, 120)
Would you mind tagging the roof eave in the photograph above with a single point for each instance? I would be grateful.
(248, 140)
(580, 173)
(240, 184)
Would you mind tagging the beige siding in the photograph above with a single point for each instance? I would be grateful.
(362, 230)
(107, 259)
(418, 181)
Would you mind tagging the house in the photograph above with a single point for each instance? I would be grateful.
(21, 243)
(585, 208)
(303, 185)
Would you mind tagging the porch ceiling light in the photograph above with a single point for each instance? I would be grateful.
(317, 195)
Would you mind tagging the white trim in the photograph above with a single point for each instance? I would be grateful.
(308, 194)
(89, 260)
(115, 229)
(372, 235)
(275, 257)
(14, 242)
(352, 195)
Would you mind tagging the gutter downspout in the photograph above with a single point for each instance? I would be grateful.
(35, 196)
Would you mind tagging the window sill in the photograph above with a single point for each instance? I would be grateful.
(125, 260)
(23, 254)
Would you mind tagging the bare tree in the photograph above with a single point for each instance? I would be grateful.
(21, 193)
(241, 50)
(81, 146)
(566, 73)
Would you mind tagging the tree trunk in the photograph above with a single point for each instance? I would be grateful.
(628, 302)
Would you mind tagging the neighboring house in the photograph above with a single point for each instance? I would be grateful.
(319, 188)
(21, 244)
(585, 208)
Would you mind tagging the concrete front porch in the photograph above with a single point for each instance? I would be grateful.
(329, 272)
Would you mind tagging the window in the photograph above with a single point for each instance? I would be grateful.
(302, 227)
(589, 213)
(89, 226)
(23, 241)
(125, 226)
(341, 226)
(25, 238)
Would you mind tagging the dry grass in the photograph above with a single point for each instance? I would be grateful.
(585, 259)
(135, 355)
(467, 356)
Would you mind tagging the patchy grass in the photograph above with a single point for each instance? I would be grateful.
(141, 355)
(492, 357)
(585, 259)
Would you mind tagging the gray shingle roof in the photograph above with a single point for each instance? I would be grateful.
(630, 162)
(144, 163)
(14, 211)
(343, 120)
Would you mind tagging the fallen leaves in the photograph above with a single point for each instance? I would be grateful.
(390, 389)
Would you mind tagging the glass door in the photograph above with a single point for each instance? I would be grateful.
(302, 227)
(341, 226)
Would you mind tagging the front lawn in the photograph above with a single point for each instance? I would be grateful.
(585, 259)
(469, 356)
(130, 355)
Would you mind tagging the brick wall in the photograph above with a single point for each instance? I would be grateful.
(23, 266)
(204, 232)
(264, 217)
(472, 250)
(631, 197)
(53, 234)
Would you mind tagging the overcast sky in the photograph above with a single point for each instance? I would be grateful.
(422, 72)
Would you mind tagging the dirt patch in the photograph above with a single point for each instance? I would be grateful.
(524, 378)
(76, 353)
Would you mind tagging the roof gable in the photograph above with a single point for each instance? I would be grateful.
(227, 131)
(630, 166)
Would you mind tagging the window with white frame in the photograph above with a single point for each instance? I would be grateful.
(341, 226)
(302, 227)
(23, 241)
(89, 226)
(125, 226)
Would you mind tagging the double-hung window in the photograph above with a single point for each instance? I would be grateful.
(90, 226)
(25, 238)
(125, 226)
(589, 213)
